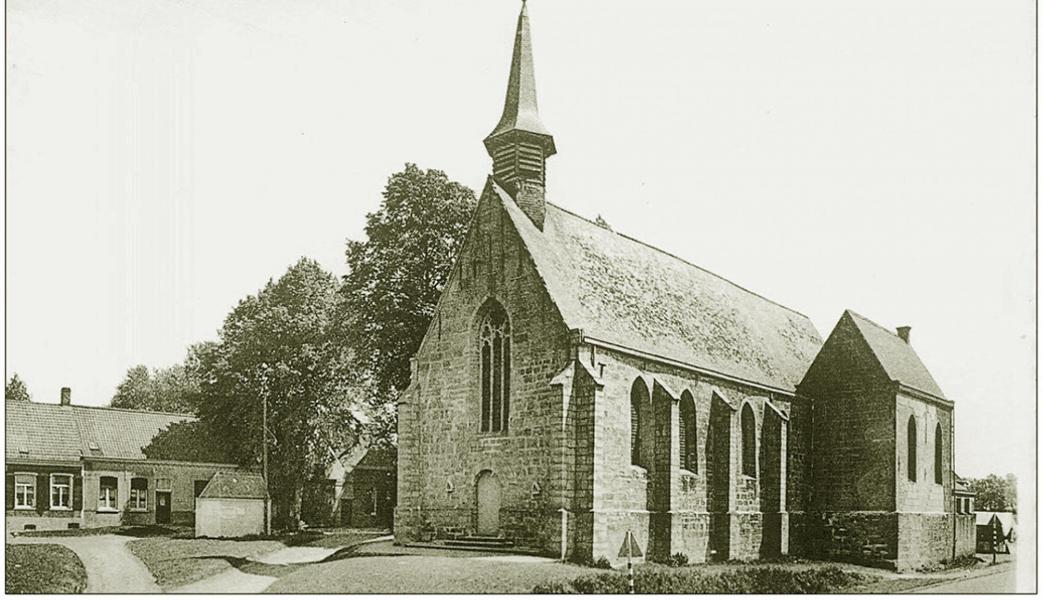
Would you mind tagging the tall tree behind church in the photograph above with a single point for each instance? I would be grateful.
(396, 275)
(281, 346)
(171, 389)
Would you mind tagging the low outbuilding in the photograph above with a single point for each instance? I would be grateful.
(232, 505)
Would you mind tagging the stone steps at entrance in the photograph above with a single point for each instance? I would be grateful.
(445, 545)
(480, 542)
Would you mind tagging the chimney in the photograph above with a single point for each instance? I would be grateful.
(903, 332)
(66, 396)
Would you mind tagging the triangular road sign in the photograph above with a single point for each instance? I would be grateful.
(630, 549)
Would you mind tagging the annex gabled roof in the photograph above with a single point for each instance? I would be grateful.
(896, 356)
(240, 485)
(626, 293)
(38, 431)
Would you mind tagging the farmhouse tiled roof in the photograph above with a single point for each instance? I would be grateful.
(629, 294)
(235, 485)
(54, 432)
(897, 357)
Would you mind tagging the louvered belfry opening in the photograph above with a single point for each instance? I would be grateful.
(514, 163)
(520, 144)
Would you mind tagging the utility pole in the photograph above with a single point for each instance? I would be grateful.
(264, 462)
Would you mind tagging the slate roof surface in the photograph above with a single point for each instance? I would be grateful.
(246, 486)
(624, 292)
(898, 358)
(52, 431)
(379, 458)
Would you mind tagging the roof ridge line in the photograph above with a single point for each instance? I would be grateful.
(684, 260)
(872, 322)
(128, 410)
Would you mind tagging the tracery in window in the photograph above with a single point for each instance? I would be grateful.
(494, 340)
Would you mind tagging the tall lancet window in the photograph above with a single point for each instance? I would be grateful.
(495, 368)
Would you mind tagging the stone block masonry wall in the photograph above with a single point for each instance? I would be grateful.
(853, 536)
(925, 494)
(441, 445)
(854, 439)
(710, 511)
(965, 535)
(925, 538)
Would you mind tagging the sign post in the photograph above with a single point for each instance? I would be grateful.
(995, 542)
(630, 550)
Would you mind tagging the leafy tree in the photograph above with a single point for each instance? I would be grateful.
(996, 493)
(396, 275)
(16, 390)
(282, 346)
(187, 441)
(167, 390)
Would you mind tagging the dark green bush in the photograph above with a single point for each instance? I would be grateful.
(600, 563)
(750, 580)
(676, 560)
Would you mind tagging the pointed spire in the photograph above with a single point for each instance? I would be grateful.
(520, 110)
(520, 144)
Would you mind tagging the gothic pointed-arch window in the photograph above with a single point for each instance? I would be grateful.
(938, 453)
(640, 424)
(749, 441)
(494, 342)
(687, 433)
(910, 445)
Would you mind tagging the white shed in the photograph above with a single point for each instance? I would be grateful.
(231, 505)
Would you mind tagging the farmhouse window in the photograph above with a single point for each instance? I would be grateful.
(139, 493)
(25, 490)
(61, 492)
(107, 493)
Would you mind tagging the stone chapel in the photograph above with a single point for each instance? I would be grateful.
(576, 384)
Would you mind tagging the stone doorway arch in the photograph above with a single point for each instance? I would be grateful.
(487, 501)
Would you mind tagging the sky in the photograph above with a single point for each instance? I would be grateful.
(165, 158)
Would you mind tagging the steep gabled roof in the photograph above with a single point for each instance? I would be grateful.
(56, 432)
(626, 293)
(896, 356)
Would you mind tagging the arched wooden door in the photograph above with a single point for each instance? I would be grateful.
(488, 499)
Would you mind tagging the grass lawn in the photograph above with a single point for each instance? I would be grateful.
(43, 569)
(389, 569)
(176, 562)
(338, 538)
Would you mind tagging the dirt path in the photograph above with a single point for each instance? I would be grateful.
(111, 567)
(254, 576)
(994, 580)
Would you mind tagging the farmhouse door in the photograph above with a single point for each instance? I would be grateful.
(162, 507)
(488, 492)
